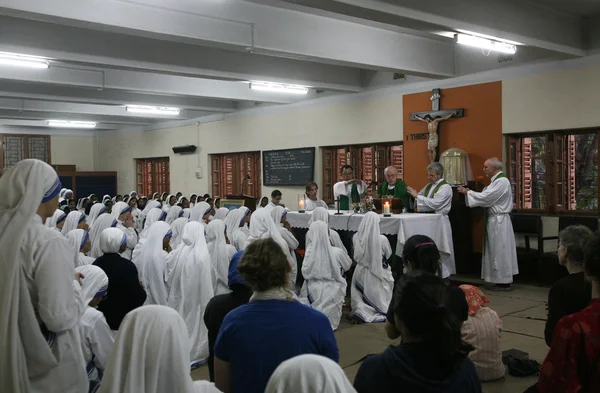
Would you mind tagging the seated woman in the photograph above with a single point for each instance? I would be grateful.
(219, 306)
(190, 287)
(57, 221)
(80, 241)
(323, 269)
(421, 254)
(96, 337)
(201, 212)
(220, 255)
(372, 281)
(574, 357)
(74, 220)
(321, 214)
(483, 330)
(125, 291)
(151, 355)
(255, 338)
(309, 374)
(572, 293)
(150, 258)
(221, 213)
(432, 357)
(279, 215)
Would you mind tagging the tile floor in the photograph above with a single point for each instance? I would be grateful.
(523, 313)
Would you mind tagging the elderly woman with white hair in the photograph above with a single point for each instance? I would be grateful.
(191, 288)
(40, 296)
(372, 281)
(96, 337)
(125, 291)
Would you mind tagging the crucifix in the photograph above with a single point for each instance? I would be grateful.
(433, 119)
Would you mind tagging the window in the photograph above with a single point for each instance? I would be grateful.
(369, 162)
(554, 172)
(152, 175)
(14, 148)
(236, 174)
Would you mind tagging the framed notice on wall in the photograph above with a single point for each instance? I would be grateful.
(289, 167)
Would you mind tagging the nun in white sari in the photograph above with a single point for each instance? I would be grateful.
(221, 254)
(190, 287)
(96, 337)
(261, 227)
(154, 215)
(57, 220)
(122, 213)
(103, 222)
(321, 214)
(201, 212)
(95, 212)
(372, 281)
(41, 302)
(80, 241)
(177, 228)
(150, 355)
(279, 214)
(150, 258)
(174, 213)
(323, 270)
(74, 220)
(150, 205)
(237, 237)
(221, 213)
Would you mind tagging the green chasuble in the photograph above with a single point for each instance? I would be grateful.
(399, 192)
(345, 201)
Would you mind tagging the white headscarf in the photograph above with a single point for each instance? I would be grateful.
(367, 244)
(22, 189)
(319, 214)
(77, 239)
(190, 286)
(94, 283)
(277, 213)
(151, 204)
(51, 222)
(221, 213)
(217, 247)
(150, 260)
(258, 205)
(187, 213)
(80, 205)
(233, 222)
(199, 211)
(177, 228)
(150, 355)
(106, 198)
(120, 208)
(309, 374)
(319, 260)
(154, 215)
(72, 221)
(103, 222)
(61, 194)
(262, 226)
(95, 211)
(111, 240)
(174, 213)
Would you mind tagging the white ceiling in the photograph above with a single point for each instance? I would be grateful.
(198, 55)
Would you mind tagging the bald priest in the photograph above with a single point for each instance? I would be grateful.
(395, 188)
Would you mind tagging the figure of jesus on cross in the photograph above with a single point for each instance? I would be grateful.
(433, 120)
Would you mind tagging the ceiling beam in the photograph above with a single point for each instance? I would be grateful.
(518, 21)
(252, 27)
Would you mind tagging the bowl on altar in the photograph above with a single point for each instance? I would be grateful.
(396, 205)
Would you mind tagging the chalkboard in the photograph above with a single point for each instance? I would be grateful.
(290, 167)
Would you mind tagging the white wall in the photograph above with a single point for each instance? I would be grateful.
(74, 150)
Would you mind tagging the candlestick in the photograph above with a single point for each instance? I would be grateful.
(301, 204)
(386, 208)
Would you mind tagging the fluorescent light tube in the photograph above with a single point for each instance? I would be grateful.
(153, 110)
(71, 124)
(484, 43)
(278, 88)
(16, 60)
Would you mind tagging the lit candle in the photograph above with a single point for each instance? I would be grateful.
(386, 208)
(301, 204)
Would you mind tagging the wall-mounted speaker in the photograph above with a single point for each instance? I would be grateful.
(184, 149)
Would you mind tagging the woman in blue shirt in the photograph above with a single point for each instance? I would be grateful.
(273, 327)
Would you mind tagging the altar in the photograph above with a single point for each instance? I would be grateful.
(401, 225)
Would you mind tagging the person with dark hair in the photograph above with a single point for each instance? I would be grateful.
(276, 196)
(572, 363)
(262, 202)
(420, 253)
(273, 327)
(313, 201)
(72, 205)
(572, 293)
(432, 357)
(350, 190)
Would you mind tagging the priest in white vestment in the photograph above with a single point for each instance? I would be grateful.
(349, 190)
(40, 295)
(499, 262)
(324, 270)
(436, 198)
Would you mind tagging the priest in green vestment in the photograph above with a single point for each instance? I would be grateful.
(349, 190)
(395, 188)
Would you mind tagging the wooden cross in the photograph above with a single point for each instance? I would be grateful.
(434, 117)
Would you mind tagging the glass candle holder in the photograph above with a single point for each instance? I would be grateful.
(387, 206)
(301, 202)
